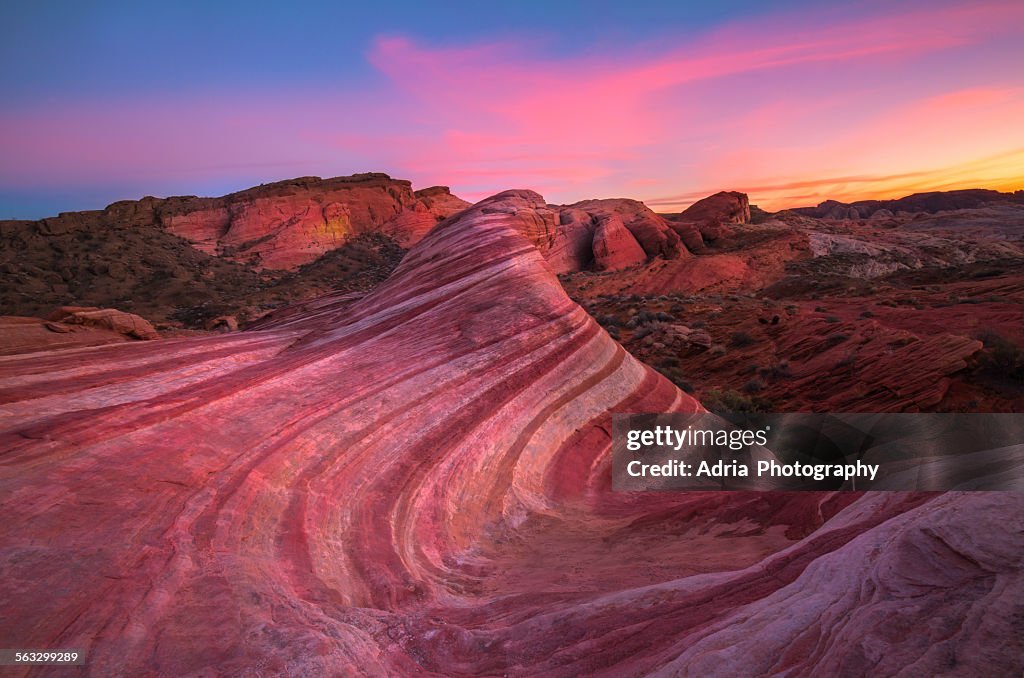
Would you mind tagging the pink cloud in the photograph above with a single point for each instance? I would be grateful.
(771, 107)
(601, 121)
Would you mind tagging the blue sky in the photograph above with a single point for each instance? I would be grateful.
(113, 100)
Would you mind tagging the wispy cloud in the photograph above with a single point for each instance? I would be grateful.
(788, 107)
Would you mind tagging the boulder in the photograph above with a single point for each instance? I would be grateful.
(727, 207)
(614, 246)
(127, 324)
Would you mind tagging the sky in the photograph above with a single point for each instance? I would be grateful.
(789, 101)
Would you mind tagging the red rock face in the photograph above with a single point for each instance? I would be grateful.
(614, 246)
(29, 335)
(730, 207)
(71, 327)
(650, 230)
(707, 219)
(418, 482)
(290, 223)
(127, 324)
(281, 225)
(572, 248)
(608, 235)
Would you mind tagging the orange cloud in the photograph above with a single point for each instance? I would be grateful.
(494, 116)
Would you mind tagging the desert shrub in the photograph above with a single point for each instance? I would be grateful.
(820, 309)
(867, 314)
(607, 320)
(778, 371)
(721, 402)
(836, 339)
(647, 330)
(1002, 355)
(674, 375)
(753, 386)
(741, 339)
(847, 361)
(831, 319)
(642, 332)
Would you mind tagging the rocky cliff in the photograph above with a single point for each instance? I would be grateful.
(273, 226)
(289, 223)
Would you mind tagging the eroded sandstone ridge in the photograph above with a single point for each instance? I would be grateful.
(281, 225)
(417, 483)
(289, 223)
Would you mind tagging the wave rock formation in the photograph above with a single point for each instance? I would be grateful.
(418, 483)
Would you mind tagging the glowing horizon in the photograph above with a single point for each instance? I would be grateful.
(791, 107)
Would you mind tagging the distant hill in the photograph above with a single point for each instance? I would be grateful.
(930, 202)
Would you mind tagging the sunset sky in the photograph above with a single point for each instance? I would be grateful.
(665, 102)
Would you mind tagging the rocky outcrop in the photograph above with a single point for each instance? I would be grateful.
(417, 482)
(614, 246)
(72, 327)
(431, 206)
(727, 207)
(290, 223)
(650, 230)
(708, 219)
(280, 225)
(128, 324)
(573, 244)
(609, 234)
(30, 335)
